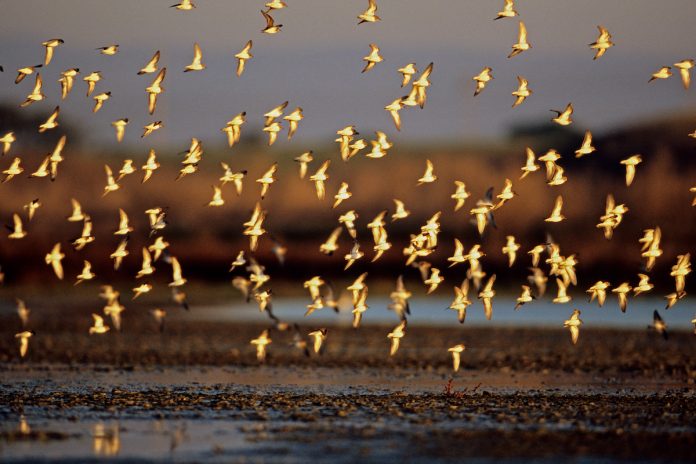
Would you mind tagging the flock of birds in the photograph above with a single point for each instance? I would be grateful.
(254, 284)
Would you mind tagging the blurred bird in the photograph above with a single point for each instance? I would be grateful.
(154, 90)
(319, 338)
(563, 118)
(663, 73)
(525, 297)
(622, 292)
(159, 315)
(508, 10)
(685, 67)
(23, 312)
(395, 336)
(602, 44)
(261, 342)
(658, 325)
(23, 338)
(573, 324)
(293, 119)
(271, 26)
(522, 92)
(456, 351)
(120, 126)
(197, 63)
(429, 175)
(7, 140)
(461, 300)
(119, 253)
(36, 93)
(54, 259)
(586, 148)
(67, 80)
(369, 15)
(631, 162)
(482, 78)
(86, 273)
(562, 296)
(109, 50)
(530, 164)
(150, 128)
(24, 72)
(407, 72)
(522, 44)
(599, 291)
(151, 66)
(177, 279)
(50, 45)
(243, 56)
(91, 79)
(486, 296)
(17, 232)
(98, 327)
(510, 249)
(556, 215)
(184, 5)
(372, 58)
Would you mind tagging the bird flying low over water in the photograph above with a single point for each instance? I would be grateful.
(23, 338)
(658, 325)
(429, 175)
(456, 351)
(586, 148)
(54, 259)
(395, 336)
(631, 162)
(573, 324)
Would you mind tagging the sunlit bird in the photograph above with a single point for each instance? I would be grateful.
(369, 15)
(395, 336)
(622, 294)
(151, 66)
(631, 162)
(23, 338)
(685, 67)
(108, 50)
(482, 78)
(602, 44)
(197, 63)
(508, 10)
(522, 44)
(54, 259)
(98, 327)
(573, 324)
(243, 56)
(271, 26)
(664, 72)
(50, 45)
(563, 118)
(372, 58)
(456, 351)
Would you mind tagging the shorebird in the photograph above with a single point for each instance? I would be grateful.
(482, 78)
(486, 295)
(319, 338)
(407, 72)
(151, 66)
(369, 15)
(622, 292)
(25, 71)
(23, 338)
(602, 44)
(51, 122)
(50, 45)
(658, 325)
(631, 162)
(54, 259)
(573, 324)
(525, 297)
(197, 63)
(563, 118)
(510, 249)
(556, 215)
(98, 327)
(586, 147)
(522, 93)
(120, 127)
(599, 291)
(508, 10)
(154, 90)
(429, 175)
(91, 79)
(461, 300)
(663, 73)
(685, 67)
(271, 26)
(372, 58)
(108, 50)
(184, 5)
(456, 351)
(395, 336)
(522, 44)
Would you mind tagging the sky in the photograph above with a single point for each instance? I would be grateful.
(315, 63)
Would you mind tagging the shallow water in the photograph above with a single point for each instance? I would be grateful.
(433, 311)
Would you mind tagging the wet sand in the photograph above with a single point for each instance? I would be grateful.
(197, 393)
